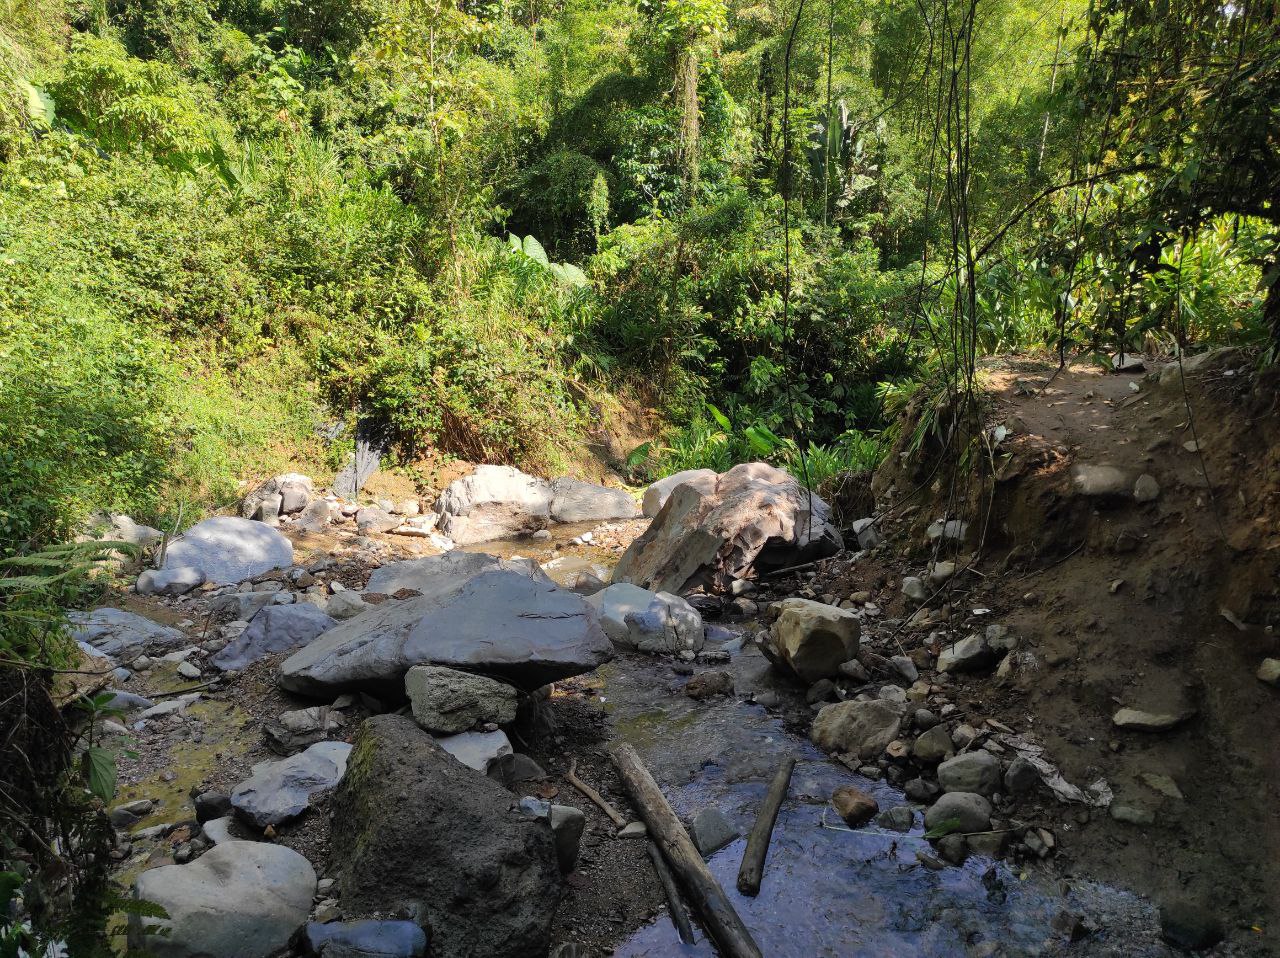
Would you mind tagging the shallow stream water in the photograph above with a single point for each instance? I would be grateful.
(829, 890)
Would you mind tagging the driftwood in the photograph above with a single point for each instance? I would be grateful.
(752, 869)
(723, 924)
(572, 778)
(679, 914)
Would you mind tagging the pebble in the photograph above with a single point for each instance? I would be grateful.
(633, 830)
(188, 671)
(1131, 814)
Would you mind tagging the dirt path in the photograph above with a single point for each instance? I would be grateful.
(1120, 604)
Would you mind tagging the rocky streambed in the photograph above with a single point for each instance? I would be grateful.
(346, 752)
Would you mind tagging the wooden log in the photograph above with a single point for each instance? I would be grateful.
(572, 778)
(723, 924)
(751, 871)
(679, 914)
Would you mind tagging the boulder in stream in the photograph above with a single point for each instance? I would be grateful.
(494, 502)
(502, 623)
(658, 622)
(420, 834)
(751, 519)
(573, 500)
(811, 640)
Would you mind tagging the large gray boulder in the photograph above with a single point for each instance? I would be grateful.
(446, 701)
(494, 502)
(294, 489)
(861, 728)
(237, 900)
(658, 622)
(573, 500)
(277, 628)
(453, 849)
(502, 623)
(122, 635)
(656, 496)
(430, 573)
(279, 791)
(228, 549)
(811, 640)
(750, 519)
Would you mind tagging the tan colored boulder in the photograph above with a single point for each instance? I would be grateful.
(861, 728)
(812, 640)
(752, 518)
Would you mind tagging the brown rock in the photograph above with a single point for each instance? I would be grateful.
(855, 806)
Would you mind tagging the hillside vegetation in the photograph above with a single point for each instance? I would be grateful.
(231, 230)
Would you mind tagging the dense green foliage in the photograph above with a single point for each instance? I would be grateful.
(224, 225)
(232, 229)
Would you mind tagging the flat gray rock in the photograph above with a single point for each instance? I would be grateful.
(433, 573)
(279, 791)
(277, 628)
(228, 549)
(237, 900)
(121, 634)
(501, 623)
(573, 500)
(477, 750)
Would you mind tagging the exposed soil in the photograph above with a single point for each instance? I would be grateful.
(1167, 606)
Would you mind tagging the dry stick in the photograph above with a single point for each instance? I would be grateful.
(723, 924)
(679, 914)
(752, 869)
(572, 778)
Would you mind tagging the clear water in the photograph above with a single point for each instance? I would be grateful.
(827, 890)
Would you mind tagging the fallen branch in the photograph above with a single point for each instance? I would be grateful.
(572, 778)
(723, 924)
(679, 914)
(752, 869)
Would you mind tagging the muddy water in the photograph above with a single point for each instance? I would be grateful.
(830, 891)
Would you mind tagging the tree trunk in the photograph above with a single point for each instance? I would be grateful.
(690, 124)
